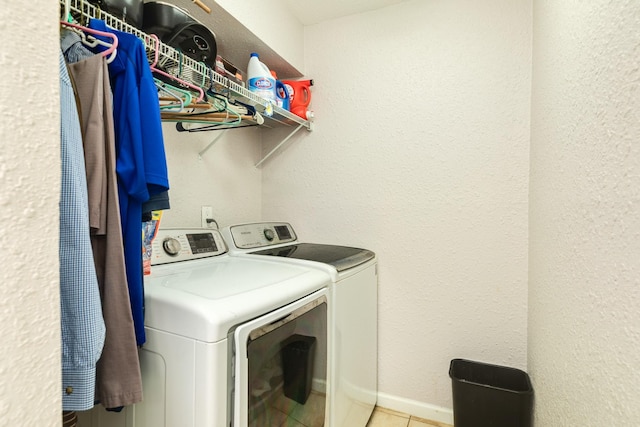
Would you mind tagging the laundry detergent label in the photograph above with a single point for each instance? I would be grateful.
(263, 87)
(261, 83)
(291, 92)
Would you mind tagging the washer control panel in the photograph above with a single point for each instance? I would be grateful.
(259, 235)
(183, 244)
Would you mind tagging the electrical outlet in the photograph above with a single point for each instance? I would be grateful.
(207, 217)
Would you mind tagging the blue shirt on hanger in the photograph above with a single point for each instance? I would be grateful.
(141, 162)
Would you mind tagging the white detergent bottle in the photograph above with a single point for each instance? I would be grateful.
(260, 80)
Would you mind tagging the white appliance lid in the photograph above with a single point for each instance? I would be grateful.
(204, 299)
(340, 257)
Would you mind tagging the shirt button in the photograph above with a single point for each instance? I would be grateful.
(68, 390)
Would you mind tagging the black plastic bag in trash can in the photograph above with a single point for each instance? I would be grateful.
(486, 395)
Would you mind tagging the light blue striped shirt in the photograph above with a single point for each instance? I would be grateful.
(83, 327)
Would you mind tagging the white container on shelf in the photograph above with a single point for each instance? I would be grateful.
(260, 80)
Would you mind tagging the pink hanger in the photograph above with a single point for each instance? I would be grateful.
(162, 73)
(113, 37)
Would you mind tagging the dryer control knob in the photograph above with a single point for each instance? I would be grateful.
(268, 233)
(171, 246)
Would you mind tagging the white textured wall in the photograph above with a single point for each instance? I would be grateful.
(29, 192)
(584, 293)
(224, 177)
(421, 153)
(273, 23)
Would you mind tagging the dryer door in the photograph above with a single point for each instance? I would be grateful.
(281, 366)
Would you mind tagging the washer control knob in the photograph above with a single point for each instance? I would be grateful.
(268, 233)
(171, 246)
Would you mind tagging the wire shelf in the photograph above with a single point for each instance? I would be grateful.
(177, 64)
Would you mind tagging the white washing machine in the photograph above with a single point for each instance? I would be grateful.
(353, 313)
(217, 330)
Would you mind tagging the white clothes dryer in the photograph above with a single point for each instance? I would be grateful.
(216, 330)
(353, 315)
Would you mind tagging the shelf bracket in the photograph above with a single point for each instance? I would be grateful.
(279, 145)
(220, 135)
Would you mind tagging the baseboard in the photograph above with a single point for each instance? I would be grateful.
(319, 385)
(415, 408)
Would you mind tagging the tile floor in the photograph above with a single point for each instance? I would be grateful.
(383, 417)
(284, 412)
(279, 410)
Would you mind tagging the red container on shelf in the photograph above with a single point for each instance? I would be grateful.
(299, 97)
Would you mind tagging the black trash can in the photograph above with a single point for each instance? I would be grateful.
(298, 353)
(486, 395)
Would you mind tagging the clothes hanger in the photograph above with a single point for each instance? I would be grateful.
(213, 109)
(174, 78)
(211, 116)
(246, 115)
(219, 117)
(185, 95)
(110, 53)
(196, 109)
(83, 31)
(175, 101)
(180, 127)
(203, 112)
(176, 97)
(217, 113)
